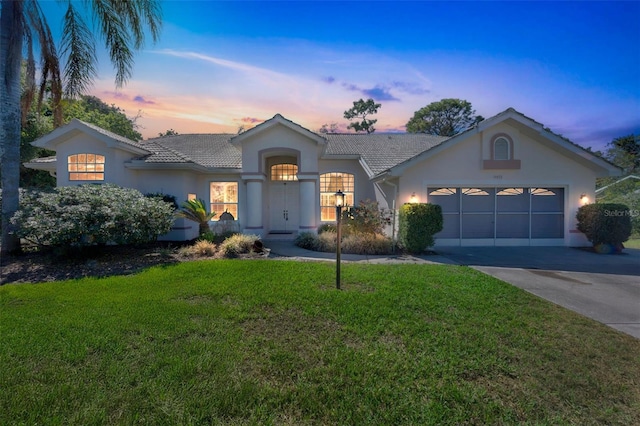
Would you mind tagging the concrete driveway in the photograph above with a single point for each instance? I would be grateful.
(605, 288)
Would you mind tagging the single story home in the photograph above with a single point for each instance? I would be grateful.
(505, 181)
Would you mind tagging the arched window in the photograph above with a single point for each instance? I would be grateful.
(330, 183)
(501, 149)
(284, 172)
(88, 167)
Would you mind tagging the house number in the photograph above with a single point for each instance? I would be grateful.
(497, 176)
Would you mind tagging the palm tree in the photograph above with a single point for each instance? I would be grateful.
(196, 211)
(122, 25)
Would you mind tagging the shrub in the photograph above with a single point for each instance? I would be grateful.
(418, 224)
(167, 198)
(366, 218)
(79, 216)
(326, 227)
(351, 244)
(207, 235)
(196, 211)
(238, 244)
(371, 244)
(327, 242)
(201, 248)
(307, 240)
(605, 225)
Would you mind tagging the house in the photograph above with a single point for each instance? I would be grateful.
(506, 181)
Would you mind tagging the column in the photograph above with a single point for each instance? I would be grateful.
(254, 206)
(308, 205)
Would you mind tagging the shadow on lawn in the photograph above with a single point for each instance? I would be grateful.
(34, 267)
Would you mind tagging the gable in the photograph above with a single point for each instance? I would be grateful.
(79, 129)
(530, 146)
(277, 122)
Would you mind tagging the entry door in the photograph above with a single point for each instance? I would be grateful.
(285, 197)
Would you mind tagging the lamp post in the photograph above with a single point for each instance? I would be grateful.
(339, 203)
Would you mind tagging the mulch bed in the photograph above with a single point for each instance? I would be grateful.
(37, 267)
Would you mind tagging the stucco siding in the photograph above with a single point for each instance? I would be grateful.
(279, 140)
(462, 165)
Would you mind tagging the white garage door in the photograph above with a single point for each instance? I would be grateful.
(500, 215)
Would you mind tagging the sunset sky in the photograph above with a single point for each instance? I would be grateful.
(573, 66)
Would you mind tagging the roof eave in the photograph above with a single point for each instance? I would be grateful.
(48, 167)
(143, 165)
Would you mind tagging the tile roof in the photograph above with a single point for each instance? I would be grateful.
(207, 150)
(379, 151)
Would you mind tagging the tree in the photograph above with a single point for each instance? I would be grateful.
(122, 24)
(625, 153)
(447, 117)
(110, 117)
(361, 109)
(329, 128)
(196, 211)
(169, 132)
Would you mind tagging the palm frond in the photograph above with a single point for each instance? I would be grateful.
(49, 57)
(196, 211)
(117, 38)
(78, 45)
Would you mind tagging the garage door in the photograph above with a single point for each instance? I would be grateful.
(500, 215)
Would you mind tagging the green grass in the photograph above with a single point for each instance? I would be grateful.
(273, 342)
(632, 243)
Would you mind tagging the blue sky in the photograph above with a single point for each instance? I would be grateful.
(573, 66)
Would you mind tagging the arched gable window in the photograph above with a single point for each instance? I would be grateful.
(502, 154)
(88, 167)
(330, 183)
(501, 149)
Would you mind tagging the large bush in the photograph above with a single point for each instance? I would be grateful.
(418, 224)
(78, 216)
(605, 224)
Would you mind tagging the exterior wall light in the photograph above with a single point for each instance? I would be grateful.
(414, 198)
(584, 199)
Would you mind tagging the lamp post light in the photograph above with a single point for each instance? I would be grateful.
(339, 204)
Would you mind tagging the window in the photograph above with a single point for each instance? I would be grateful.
(330, 183)
(502, 154)
(284, 172)
(501, 149)
(474, 191)
(86, 167)
(224, 198)
(444, 191)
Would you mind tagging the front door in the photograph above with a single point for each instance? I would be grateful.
(284, 201)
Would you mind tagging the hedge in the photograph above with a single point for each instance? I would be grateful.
(418, 224)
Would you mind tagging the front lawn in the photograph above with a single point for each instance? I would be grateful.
(632, 243)
(273, 342)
